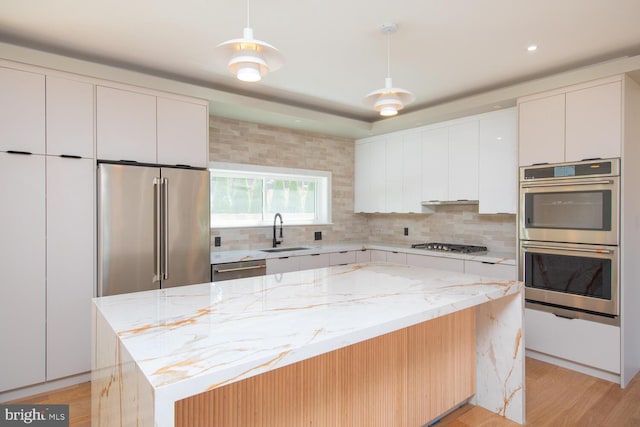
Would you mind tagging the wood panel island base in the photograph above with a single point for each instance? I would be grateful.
(358, 345)
(404, 378)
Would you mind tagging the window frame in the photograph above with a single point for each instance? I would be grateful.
(323, 190)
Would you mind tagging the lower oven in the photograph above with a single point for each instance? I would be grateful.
(577, 280)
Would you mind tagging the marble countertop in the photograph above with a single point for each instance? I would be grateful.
(219, 257)
(190, 339)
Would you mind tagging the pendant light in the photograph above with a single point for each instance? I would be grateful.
(247, 58)
(389, 99)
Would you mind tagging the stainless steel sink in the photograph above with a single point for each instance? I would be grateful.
(283, 249)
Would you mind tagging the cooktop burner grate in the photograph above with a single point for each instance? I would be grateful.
(450, 247)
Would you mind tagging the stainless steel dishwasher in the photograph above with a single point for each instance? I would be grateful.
(238, 270)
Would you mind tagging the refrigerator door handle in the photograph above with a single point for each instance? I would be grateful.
(165, 220)
(157, 230)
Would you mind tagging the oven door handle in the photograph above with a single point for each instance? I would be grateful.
(566, 183)
(593, 251)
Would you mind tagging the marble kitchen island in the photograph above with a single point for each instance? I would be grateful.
(362, 344)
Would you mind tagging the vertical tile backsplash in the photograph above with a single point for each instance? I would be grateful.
(242, 142)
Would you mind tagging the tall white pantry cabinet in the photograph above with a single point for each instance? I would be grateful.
(47, 223)
(48, 153)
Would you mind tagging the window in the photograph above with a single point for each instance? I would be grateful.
(249, 196)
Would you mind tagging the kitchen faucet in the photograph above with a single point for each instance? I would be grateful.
(275, 241)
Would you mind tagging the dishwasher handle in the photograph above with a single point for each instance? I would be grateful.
(229, 270)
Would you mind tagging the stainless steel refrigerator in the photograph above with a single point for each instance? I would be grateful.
(153, 227)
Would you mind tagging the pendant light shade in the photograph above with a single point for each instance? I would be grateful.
(388, 100)
(247, 58)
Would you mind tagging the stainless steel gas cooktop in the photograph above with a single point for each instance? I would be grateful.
(451, 247)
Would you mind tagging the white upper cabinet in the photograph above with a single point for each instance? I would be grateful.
(412, 172)
(126, 125)
(444, 162)
(69, 117)
(463, 161)
(182, 133)
(394, 173)
(370, 185)
(594, 122)
(435, 164)
(22, 114)
(498, 166)
(361, 177)
(571, 124)
(541, 130)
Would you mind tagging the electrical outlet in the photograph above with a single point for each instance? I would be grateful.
(406, 231)
(317, 235)
(217, 241)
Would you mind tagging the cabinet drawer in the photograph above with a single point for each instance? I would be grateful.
(502, 271)
(308, 262)
(581, 341)
(378, 256)
(439, 263)
(397, 257)
(342, 258)
(363, 256)
(282, 265)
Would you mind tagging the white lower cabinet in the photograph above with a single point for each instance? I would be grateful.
(342, 258)
(308, 262)
(397, 257)
(363, 256)
(588, 343)
(70, 265)
(283, 264)
(439, 263)
(378, 256)
(22, 270)
(488, 269)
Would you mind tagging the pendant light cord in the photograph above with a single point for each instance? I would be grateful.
(248, 22)
(388, 54)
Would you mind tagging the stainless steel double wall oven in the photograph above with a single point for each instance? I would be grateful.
(569, 238)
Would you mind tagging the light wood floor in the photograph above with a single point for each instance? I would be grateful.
(556, 397)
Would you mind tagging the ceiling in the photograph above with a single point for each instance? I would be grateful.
(464, 54)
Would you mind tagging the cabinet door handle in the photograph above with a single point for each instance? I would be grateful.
(69, 156)
(157, 230)
(26, 153)
(165, 220)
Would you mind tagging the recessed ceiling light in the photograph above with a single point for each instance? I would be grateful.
(532, 48)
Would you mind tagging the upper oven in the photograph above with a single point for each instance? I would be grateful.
(571, 202)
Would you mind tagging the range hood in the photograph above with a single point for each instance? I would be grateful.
(448, 202)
